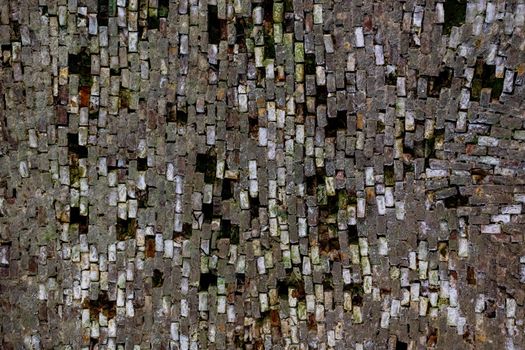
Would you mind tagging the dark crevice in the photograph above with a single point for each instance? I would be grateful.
(187, 229)
(328, 283)
(80, 220)
(240, 280)
(164, 6)
(81, 64)
(408, 167)
(126, 229)
(157, 279)
(335, 124)
(288, 5)
(321, 95)
(207, 211)
(74, 215)
(238, 340)
(227, 189)
(215, 26)
(142, 198)
(353, 236)
(240, 35)
(288, 25)
(102, 305)
(269, 45)
(207, 164)
(312, 182)
(419, 148)
(485, 77)
(295, 282)
(443, 80)
(253, 127)
(380, 129)
(429, 151)
(357, 291)
(254, 207)
(75, 148)
(269, 42)
(171, 113)
(455, 201)
(142, 164)
(328, 242)
(103, 13)
(186, 233)
(282, 289)
(206, 280)
(455, 11)
(309, 63)
(490, 311)
(401, 345)
(182, 117)
(261, 76)
(153, 18)
(268, 11)
(311, 185)
(478, 175)
(229, 231)
(389, 175)
(75, 153)
(391, 79)
(300, 111)
(83, 226)
(15, 32)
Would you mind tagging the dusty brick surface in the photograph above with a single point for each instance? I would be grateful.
(236, 174)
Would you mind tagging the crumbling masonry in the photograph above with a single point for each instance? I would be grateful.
(236, 174)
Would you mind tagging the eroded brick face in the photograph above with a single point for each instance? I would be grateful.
(289, 174)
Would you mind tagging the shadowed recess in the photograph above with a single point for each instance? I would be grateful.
(207, 280)
(207, 164)
(81, 64)
(455, 11)
(443, 80)
(126, 229)
(157, 279)
(101, 305)
(485, 77)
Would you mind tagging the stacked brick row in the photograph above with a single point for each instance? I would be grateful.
(268, 174)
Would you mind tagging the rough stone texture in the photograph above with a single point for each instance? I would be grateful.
(221, 174)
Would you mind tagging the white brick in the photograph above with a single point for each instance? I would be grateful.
(494, 228)
(511, 209)
(359, 37)
(504, 219)
(487, 141)
(436, 173)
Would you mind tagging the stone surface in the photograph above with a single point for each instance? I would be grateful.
(189, 174)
